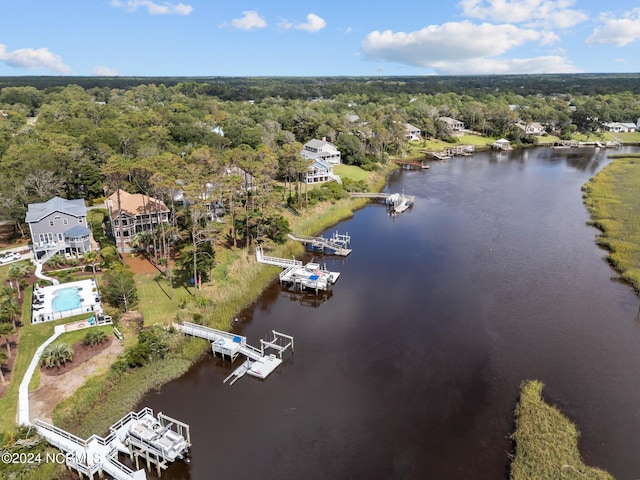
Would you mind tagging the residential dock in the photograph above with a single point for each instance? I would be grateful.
(310, 276)
(396, 202)
(337, 244)
(259, 362)
(158, 440)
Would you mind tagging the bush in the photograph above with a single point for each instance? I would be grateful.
(94, 337)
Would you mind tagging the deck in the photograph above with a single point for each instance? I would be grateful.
(259, 363)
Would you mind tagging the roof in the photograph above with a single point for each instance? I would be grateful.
(134, 204)
(318, 144)
(77, 231)
(37, 211)
(321, 164)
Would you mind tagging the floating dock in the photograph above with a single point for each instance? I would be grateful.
(337, 244)
(259, 363)
(158, 440)
(310, 276)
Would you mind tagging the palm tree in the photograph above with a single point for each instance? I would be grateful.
(9, 307)
(3, 358)
(56, 355)
(6, 329)
(91, 257)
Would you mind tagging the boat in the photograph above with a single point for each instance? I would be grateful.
(149, 433)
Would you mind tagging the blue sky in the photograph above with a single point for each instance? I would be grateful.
(329, 38)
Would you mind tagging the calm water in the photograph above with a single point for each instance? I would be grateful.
(410, 369)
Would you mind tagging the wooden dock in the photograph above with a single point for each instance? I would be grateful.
(396, 202)
(310, 276)
(337, 244)
(259, 362)
(412, 164)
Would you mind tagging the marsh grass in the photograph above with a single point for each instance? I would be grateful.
(613, 203)
(546, 441)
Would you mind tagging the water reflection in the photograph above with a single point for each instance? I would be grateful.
(410, 367)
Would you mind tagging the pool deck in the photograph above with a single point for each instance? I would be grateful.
(43, 308)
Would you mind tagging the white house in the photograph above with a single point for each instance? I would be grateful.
(620, 127)
(533, 128)
(323, 150)
(411, 133)
(320, 171)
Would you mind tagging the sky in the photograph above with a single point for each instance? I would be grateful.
(306, 38)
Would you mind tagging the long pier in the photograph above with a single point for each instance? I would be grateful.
(337, 244)
(259, 363)
(158, 440)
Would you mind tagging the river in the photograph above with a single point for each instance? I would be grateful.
(411, 367)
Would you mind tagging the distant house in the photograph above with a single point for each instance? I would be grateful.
(248, 180)
(323, 150)
(59, 226)
(532, 128)
(620, 127)
(411, 133)
(132, 213)
(454, 125)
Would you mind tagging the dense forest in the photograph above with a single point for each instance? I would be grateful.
(83, 137)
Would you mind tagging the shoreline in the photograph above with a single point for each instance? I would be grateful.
(77, 415)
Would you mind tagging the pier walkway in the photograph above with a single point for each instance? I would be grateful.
(259, 363)
(337, 244)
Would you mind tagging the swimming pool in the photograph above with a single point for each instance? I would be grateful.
(66, 299)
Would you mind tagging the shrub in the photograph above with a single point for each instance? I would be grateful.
(56, 355)
(94, 337)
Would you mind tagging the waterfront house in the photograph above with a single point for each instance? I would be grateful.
(455, 126)
(323, 150)
(620, 127)
(320, 171)
(411, 133)
(533, 128)
(58, 226)
(133, 213)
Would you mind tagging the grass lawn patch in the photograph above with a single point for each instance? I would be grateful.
(546, 441)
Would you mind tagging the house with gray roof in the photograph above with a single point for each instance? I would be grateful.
(59, 226)
(323, 150)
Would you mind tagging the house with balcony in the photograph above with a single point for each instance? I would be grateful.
(133, 213)
(58, 226)
(320, 171)
(455, 126)
(323, 150)
(411, 132)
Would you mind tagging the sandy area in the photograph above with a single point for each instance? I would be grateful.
(57, 385)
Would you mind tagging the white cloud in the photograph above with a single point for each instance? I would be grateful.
(617, 31)
(165, 8)
(250, 19)
(33, 59)
(496, 66)
(454, 41)
(313, 24)
(102, 71)
(539, 13)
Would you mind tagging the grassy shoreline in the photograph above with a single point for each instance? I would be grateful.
(546, 441)
(611, 197)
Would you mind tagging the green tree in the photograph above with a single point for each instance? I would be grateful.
(3, 359)
(119, 289)
(6, 329)
(94, 337)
